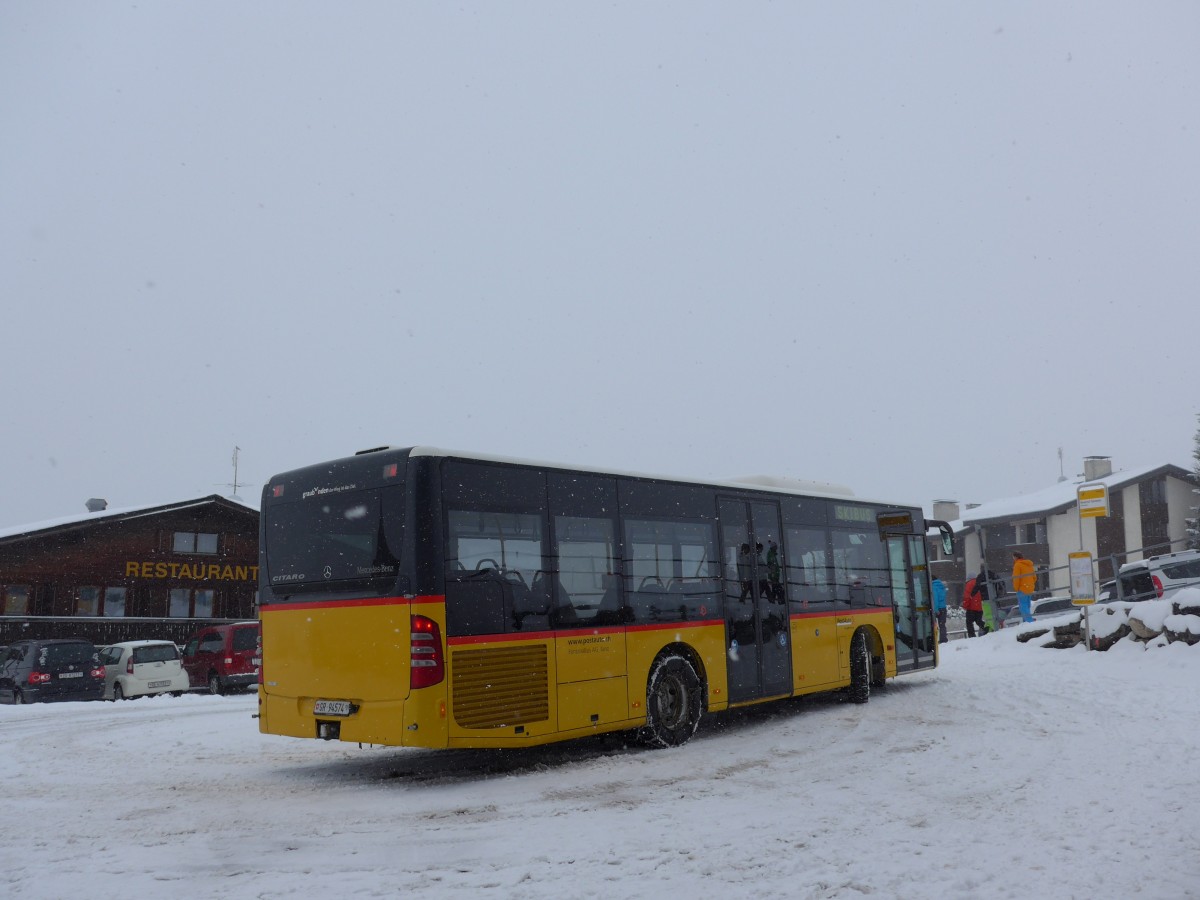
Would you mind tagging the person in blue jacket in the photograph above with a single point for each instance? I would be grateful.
(939, 608)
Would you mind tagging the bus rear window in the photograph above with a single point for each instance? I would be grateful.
(335, 541)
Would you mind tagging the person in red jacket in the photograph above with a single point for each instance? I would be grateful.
(973, 604)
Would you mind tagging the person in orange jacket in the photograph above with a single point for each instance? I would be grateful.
(973, 604)
(1024, 581)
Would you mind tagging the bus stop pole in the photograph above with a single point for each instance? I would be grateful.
(1085, 622)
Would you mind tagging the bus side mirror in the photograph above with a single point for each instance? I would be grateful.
(947, 538)
(947, 534)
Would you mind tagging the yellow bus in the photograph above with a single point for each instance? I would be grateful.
(426, 598)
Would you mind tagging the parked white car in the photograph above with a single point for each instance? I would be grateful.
(1158, 577)
(139, 668)
(1042, 608)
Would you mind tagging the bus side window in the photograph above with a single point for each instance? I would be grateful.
(492, 562)
(586, 592)
(807, 568)
(671, 570)
(861, 574)
(584, 581)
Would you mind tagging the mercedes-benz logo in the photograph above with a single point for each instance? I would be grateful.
(328, 572)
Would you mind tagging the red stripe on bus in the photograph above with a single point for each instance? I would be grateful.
(575, 632)
(872, 611)
(336, 604)
(500, 638)
(659, 626)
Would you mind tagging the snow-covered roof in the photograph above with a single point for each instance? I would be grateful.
(1056, 498)
(124, 512)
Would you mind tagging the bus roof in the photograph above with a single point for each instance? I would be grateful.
(773, 483)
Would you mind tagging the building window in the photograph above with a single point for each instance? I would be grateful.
(1153, 491)
(194, 542)
(114, 601)
(187, 603)
(1029, 533)
(88, 601)
(16, 600)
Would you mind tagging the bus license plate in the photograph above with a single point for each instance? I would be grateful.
(332, 707)
(158, 684)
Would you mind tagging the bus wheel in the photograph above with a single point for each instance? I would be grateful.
(860, 668)
(673, 703)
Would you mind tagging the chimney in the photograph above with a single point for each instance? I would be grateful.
(96, 505)
(946, 510)
(1096, 467)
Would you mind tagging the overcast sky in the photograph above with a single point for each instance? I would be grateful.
(910, 248)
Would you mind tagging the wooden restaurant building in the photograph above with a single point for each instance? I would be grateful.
(126, 574)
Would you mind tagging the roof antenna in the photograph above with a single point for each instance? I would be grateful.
(234, 485)
(1061, 476)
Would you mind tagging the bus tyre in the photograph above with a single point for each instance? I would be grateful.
(860, 668)
(674, 702)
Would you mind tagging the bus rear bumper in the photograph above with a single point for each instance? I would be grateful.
(369, 722)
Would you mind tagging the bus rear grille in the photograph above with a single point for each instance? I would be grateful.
(498, 687)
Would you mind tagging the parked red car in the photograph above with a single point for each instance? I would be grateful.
(223, 657)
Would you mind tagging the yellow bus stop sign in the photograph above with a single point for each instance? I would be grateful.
(1093, 500)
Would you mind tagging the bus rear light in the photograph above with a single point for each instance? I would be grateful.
(391, 470)
(277, 490)
(427, 664)
(39, 677)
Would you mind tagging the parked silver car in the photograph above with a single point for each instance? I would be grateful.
(1045, 608)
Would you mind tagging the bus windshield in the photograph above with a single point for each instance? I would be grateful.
(336, 541)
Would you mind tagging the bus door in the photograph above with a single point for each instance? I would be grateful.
(757, 641)
(912, 605)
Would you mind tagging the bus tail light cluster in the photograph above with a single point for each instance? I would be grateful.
(425, 652)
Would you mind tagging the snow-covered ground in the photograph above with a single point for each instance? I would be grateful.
(1012, 771)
